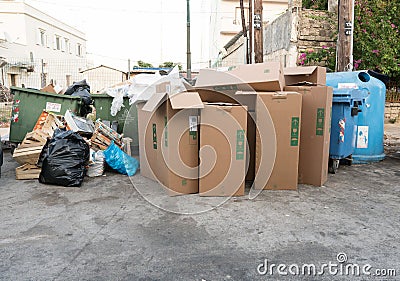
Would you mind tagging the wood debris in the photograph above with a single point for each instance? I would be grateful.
(27, 172)
(28, 152)
(103, 136)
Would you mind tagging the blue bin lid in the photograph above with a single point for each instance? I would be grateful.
(349, 95)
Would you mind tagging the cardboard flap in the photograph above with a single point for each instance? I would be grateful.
(154, 101)
(305, 75)
(304, 70)
(211, 77)
(186, 100)
(257, 72)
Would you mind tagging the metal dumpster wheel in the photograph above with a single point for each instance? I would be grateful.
(13, 146)
(333, 165)
(348, 160)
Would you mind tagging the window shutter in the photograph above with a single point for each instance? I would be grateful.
(38, 37)
(55, 42)
(62, 44)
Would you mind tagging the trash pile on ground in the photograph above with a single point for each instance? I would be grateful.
(63, 148)
(5, 94)
(270, 126)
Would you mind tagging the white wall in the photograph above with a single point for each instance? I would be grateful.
(23, 23)
(226, 20)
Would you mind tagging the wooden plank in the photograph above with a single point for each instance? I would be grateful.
(29, 149)
(27, 171)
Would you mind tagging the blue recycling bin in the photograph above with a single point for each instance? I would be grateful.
(370, 123)
(346, 105)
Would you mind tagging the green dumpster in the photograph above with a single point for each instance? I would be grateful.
(126, 117)
(28, 105)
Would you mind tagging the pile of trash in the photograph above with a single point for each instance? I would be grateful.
(62, 150)
(142, 87)
(5, 94)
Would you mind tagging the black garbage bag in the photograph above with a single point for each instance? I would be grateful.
(81, 89)
(63, 159)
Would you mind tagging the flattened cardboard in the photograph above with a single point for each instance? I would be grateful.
(285, 111)
(223, 127)
(315, 133)
(315, 75)
(266, 76)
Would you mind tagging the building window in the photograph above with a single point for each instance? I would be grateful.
(68, 80)
(238, 16)
(42, 37)
(79, 50)
(66, 45)
(57, 42)
(13, 79)
(62, 41)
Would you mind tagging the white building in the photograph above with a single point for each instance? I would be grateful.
(38, 48)
(226, 22)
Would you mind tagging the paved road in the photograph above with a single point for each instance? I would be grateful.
(105, 230)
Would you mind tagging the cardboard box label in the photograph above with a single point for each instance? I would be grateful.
(294, 135)
(240, 144)
(154, 136)
(226, 88)
(362, 137)
(320, 121)
(193, 123)
(165, 131)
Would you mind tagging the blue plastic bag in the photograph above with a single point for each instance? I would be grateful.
(120, 161)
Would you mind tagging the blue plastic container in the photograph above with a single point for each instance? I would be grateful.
(346, 106)
(370, 123)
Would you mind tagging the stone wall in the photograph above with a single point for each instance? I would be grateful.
(316, 29)
(296, 31)
(392, 112)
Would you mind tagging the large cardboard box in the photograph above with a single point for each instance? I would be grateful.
(223, 150)
(285, 113)
(168, 130)
(267, 76)
(315, 133)
(315, 75)
(247, 99)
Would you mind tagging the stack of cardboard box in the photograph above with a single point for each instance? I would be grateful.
(252, 122)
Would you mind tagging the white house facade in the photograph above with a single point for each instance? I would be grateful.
(38, 48)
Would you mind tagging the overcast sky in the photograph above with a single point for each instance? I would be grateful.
(152, 30)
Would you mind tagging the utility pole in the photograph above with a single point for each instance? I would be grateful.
(188, 53)
(258, 31)
(345, 37)
(251, 31)
(244, 29)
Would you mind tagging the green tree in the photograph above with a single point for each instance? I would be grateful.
(315, 4)
(376, 36)
(170, 64)
(143, 64)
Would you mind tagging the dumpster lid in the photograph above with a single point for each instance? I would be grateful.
(349, 95)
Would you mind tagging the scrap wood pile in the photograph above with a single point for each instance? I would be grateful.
(28, 152)
(49, 150)
(103, 136)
